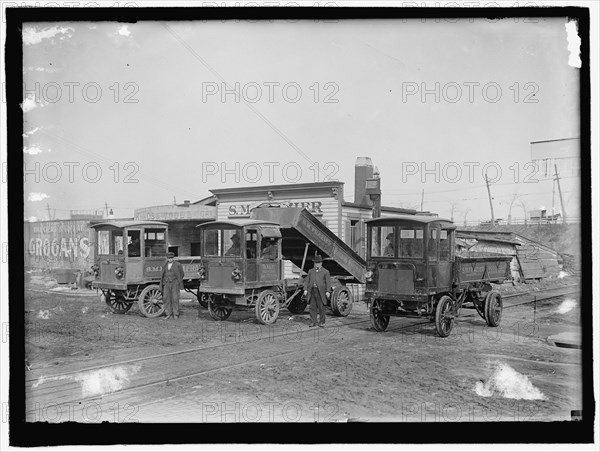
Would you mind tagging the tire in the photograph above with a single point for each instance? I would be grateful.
(341, 301)
(202, 299)
(267, 307)
(218, 312)
(379, 321)
(151, 302)
(116, 302)
(297, 304)
(493, 308)
(444, 316)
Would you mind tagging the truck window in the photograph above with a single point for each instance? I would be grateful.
(269, 248)
(411, 242)
(445, 245)
(383, 241)
(155, 243)
(134, 245)
(211, 242)
(251, 243)
(432, 246)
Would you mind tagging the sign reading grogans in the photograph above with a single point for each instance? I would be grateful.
(59, 244)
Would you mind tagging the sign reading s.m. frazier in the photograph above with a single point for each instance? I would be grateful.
(176, 213)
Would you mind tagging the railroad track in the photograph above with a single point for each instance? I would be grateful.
(167, 368)
(563, 291)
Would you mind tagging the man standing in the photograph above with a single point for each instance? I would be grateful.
(316, 289)
(171, 283)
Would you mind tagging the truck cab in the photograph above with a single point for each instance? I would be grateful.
(409, 257)
(129, 259)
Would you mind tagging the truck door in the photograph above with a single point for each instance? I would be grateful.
(446, 258)
(269, 262)
(134, 260)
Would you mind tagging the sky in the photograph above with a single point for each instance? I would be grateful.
(152, 113)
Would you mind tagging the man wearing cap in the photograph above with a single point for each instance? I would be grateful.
(316, 289)
(171, 283)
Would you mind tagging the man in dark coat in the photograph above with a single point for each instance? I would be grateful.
(171, 283)
(316, 288)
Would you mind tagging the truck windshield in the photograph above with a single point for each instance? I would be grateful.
(110, 242)
(221, 242)
(404, 242)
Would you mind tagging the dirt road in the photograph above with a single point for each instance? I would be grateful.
(86, 364)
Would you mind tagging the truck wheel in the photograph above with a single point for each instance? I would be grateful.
(379, 320)
(150, 301)
(341, 301)
(116, 302)
(493, 308)
(267, 307)
(444, 316)
(298, 304)
(218, 312)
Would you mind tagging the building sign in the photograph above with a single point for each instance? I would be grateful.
(243, 210)
(162, 213)
(59, 244)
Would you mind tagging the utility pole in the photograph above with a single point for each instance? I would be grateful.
(562, 205)
(553, 191)
(48, 207)
(515, 196)
(487, 183)
(422, 198)
(106, 207)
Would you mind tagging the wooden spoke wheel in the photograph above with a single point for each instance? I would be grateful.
(444, 316)
(297, 304)
(341, 301)
(379, 320)
(151, 302)
(116, 302)
(267, 307)
(493, 308)
(202, 299)
(216, 311)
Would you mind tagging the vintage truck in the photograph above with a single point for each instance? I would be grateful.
(413, 271)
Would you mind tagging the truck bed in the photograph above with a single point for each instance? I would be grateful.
(482, 267)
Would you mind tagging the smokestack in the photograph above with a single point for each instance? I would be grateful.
(363, 170)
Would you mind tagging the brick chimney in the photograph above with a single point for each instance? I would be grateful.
(363, 170)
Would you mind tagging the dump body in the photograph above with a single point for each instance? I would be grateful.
(299, 227)
(474, 269)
